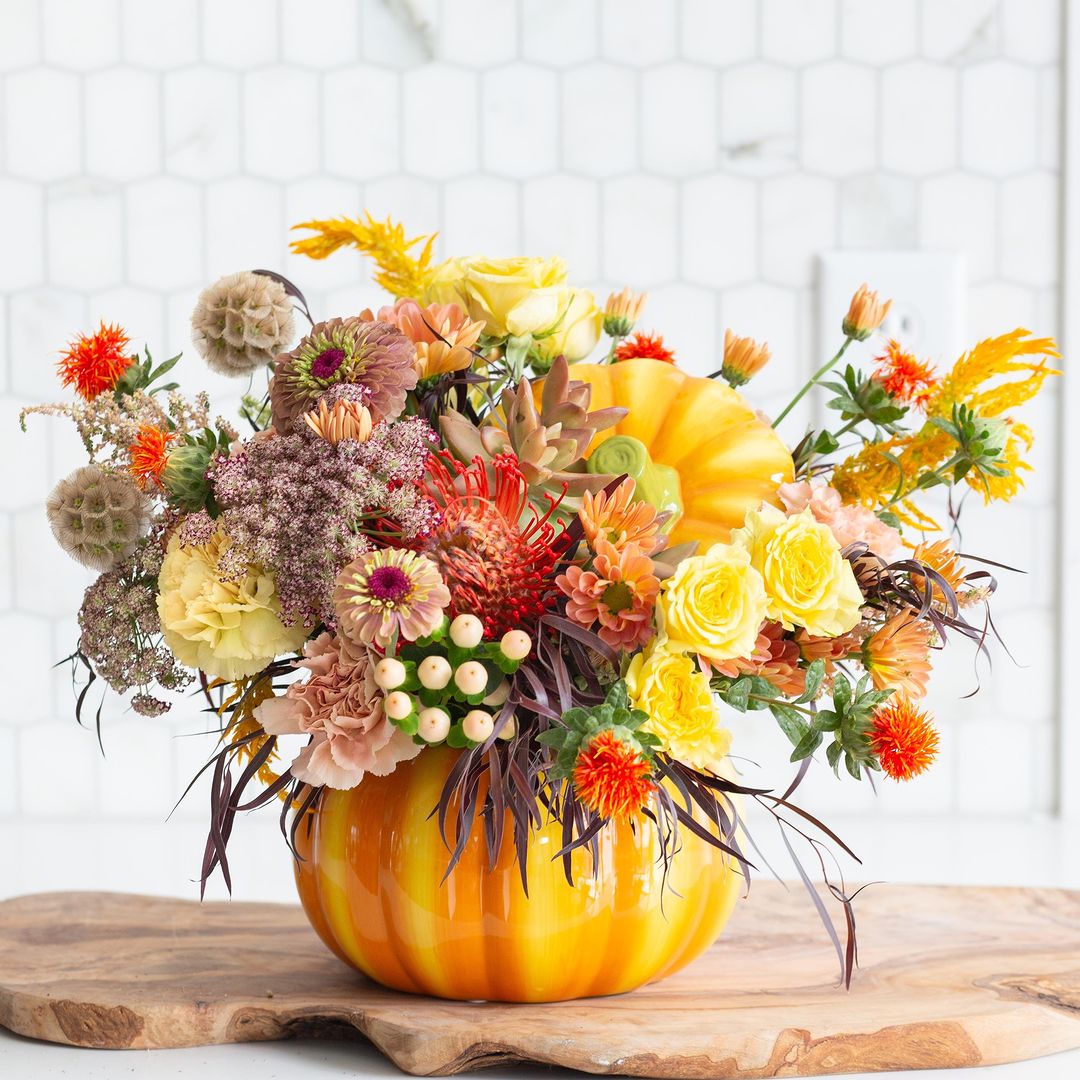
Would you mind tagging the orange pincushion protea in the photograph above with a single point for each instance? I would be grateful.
(903, 738)
(612, 778)
(898, 655)
(94, 362)
(647, 346)
(149, 455)
(904, 376)
(493, 549)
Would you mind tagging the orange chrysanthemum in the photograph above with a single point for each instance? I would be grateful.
(775, 658)
(650, 346)
(149, 455)
(898, 655)
(941, 557)
(93, 363)
(612, 778)
(904, 376)
(618, 593)
(903, 738)
(615, 517)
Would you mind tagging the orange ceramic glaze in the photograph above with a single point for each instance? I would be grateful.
(371, 882)
(728, 459)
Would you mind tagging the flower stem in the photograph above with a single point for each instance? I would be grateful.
(817, 376)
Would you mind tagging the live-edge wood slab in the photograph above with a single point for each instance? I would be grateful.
(950, 977)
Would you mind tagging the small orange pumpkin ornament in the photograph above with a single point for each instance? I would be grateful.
(727, 458)
(371, 882)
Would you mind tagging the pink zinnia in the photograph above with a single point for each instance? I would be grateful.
(341, 707)
(849, 523)
(619, 593)
(389, 592)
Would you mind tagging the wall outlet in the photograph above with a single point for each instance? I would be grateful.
(928, 292)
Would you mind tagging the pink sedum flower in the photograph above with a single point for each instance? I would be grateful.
(340, 706)
(849, 523)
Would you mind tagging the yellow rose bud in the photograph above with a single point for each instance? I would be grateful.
(683, 713)
(808, 582)
(576, 328)
(714, 604)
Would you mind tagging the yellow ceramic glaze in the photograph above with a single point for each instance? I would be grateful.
(371, 884)
(727, 458)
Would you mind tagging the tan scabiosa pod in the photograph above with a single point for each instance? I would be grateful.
(241, 322)
(97, 517)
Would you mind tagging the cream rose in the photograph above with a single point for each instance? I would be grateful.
(229, 629)
(714, 604)
(808, 582)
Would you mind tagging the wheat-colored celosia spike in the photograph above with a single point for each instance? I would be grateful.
(400, 272)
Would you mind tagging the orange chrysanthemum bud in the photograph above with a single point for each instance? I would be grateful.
(647, 346)
(743, 358)
(344, 420)
(612, 777)
(903, 738)
(149, 455)
(93, 363)
(904, 376)
(865, 314)
(622, 311)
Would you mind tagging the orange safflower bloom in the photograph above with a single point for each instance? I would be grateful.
(619, 520)
(904, 376)
(149, 455)
(647, 346)
(612, 778)
(92, 363)
(898, 655)
(903, 738)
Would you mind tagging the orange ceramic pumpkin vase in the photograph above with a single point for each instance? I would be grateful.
(372, 882)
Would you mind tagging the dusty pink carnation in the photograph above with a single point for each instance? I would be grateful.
(849, 523)
(340, 706)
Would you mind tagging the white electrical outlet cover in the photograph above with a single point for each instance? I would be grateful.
(928, 293)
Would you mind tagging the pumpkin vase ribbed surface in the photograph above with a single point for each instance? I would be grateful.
(372, 883)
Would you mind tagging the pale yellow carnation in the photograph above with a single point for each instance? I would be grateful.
(683, 713)
(229, 629)
(808, 582)
(714, 604)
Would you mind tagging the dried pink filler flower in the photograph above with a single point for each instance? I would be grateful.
(849, 523)
(304, 508)
(340, 706)
(390, 592)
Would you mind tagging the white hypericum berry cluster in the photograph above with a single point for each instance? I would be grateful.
(452, 686)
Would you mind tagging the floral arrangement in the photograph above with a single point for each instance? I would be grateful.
(446, 524)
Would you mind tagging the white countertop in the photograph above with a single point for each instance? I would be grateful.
(131, 856)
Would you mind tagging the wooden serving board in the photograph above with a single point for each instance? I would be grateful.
(949, 977)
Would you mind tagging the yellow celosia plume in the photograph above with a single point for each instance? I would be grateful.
(886, 474)
(399, 271)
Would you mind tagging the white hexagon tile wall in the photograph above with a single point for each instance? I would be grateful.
(705, 150)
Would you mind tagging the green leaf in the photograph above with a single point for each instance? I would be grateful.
(833, 754)
(807, 745)
(790, 722)
(841, 694)
(815, 674)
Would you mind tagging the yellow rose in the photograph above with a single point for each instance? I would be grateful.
(577, 333)
(501, 291)
(714, 604)
(229, 629)
(807, 581)
(683, 713)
